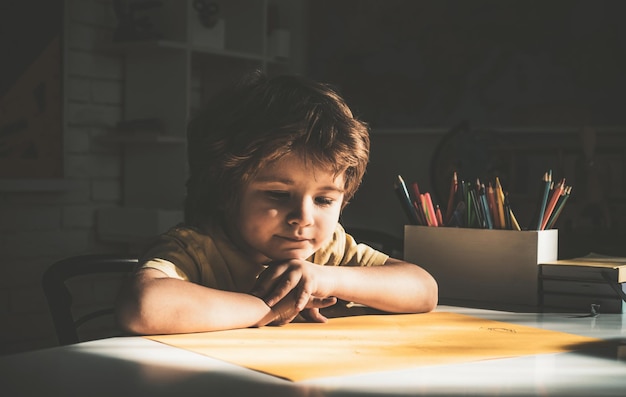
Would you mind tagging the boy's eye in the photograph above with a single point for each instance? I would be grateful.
(277, 195)
(324, 201)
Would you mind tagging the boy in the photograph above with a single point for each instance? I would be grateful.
(272, 164)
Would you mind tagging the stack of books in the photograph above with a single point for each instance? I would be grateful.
(592, 283)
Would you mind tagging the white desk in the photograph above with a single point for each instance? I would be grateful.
(135, 366)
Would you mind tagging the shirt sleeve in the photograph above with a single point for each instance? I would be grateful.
(343, 250)
(171, 254)
(167, 267)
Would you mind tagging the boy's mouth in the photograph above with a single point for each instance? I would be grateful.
(294, 239)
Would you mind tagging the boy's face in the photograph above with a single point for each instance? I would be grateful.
(289, 210)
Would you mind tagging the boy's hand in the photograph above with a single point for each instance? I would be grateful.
(313, 315)
(283, 277)
(285, 310)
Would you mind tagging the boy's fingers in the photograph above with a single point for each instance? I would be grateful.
(289, 281)
(314, 315)
(259, 289)
(265, 281)
(285, 318)
(303, 300)
(280, 290)
(321, 303)
(312, 312)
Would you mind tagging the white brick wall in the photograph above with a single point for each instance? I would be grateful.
(78, 89)
(37, 228)
(92, 114)
(95, 165)
(106, 92)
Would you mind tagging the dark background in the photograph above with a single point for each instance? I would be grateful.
(507, 63)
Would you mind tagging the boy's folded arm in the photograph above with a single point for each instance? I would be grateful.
(397, 286)
(152, 303)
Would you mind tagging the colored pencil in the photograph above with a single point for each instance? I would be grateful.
(559, 207)
(554, 197)
(491, 199)
(418, 204)
(454, 184)
(483, 200)
(439, 215)
(405, 200)
(546, 182)
(499, 195)
(431, 209)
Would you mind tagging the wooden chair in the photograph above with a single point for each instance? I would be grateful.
(82, 289)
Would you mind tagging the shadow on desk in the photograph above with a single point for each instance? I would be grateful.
(139, 367)
(89, 371)
(611, 349)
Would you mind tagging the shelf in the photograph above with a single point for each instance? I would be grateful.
(165, 79)
(229, 53)
(149, 45)
(126, 46)
(141, 137)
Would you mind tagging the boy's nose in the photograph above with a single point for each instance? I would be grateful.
(301, 214)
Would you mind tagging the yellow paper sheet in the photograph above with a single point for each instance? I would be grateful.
(370, 343)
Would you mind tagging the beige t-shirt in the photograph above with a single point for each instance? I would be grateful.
(209, 258)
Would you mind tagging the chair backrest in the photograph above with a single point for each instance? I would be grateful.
(93, 278)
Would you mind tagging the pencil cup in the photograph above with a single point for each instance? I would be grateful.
(488, 268)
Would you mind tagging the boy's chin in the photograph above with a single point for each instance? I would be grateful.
(291, 254)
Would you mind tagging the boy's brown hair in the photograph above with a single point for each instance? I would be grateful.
(258, 121)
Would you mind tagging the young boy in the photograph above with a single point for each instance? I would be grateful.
(272, 163)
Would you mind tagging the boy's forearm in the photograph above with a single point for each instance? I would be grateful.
(166, 305)
(395, 287)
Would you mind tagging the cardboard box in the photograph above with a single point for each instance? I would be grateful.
(479, 267)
